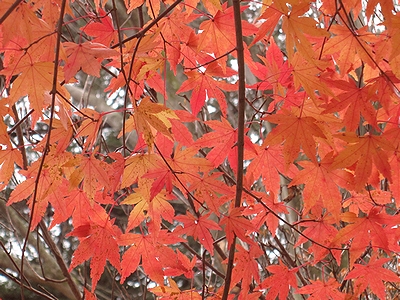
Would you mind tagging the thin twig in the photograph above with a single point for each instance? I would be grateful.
(240, 132)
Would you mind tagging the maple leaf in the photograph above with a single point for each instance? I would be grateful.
(322, 290)
(90, 126)
(298, 28)
(47, 185)
(261, 211)
(212, 191)
(199, 228)
(218, 33)
(73, 204)
(366, 200)
(103, 30)
(322, 183)
(204, 86)
(223, 140)
(272, 13)
(306, 75)
(279, 282)
(28, 22)
(145, 206)
(185, 266)
(295, 131)
(371, 230)
(275, 73)
(362, 152)
(236, 224)
(90, 171)
(174, 293)
(181, 167)
(8, 157)
(372, 275)
(35, 79)
(347, 45)
(137, 165)
(151, 250)
(269, 163)
(89, 295)
(86, 56)
(356, 102)
(246, 267)
(319, 230)
(181, 133)
(98, 241)
(149, 118)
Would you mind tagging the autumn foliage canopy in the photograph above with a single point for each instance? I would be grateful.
(257, 154)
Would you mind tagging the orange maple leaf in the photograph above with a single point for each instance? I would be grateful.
(90, 171)
(173, 292)
(34, 80)
(155, 207)
(8, 157)
(348, 46)
(90, 126)
(218, 34)
(295, 131)
(48, 183)
(322, 183)
(355, 101)
(87, 56)
(361, 153)
(150, 118)
(137, 165)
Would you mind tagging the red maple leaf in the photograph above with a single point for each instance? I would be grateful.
(246, 267)
(322, 290)
(151, 251)
(98, 241)
(223, 140)
(236, 224)
(269, 163)
(279, 282)
(199, 228)
(204, 86)
(103, 29)
(372, 275)
(320, 230)
(372, 230)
